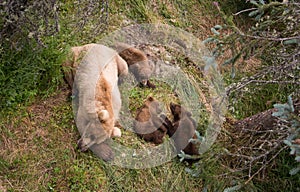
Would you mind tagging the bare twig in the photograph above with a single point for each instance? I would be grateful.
(265, 165)
(276, 82)
(245, 10)
(265, 72)
(270, 38)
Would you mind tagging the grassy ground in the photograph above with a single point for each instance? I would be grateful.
(38, 153)
(38, 142)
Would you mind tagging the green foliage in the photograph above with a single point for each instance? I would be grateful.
(233, 189)
(27, 73)
(274, 23)
(286, 112)
(137, 10)
(272, 35)
(30, 64)
(245, 103)
(279, 75)
(35, 37)
(27, 20)
(279, 178)
(84, 21)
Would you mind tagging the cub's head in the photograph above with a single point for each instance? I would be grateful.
(178, 111)
(153, 105)
(143, 70)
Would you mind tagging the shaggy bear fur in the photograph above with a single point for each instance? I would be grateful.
(77, 54)
(149, 125)
(104, 107)
(183, 130)
(139, 64)
(100, 101)
(71, 65)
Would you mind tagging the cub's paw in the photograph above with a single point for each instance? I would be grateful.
(150, 85)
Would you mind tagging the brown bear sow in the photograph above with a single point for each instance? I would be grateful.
(149, 124)
(138, 63)
(99, 100)
(183, 130)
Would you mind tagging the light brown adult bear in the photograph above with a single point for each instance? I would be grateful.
(138, 63)
(150, 125)
(184, 127)
(99, 101)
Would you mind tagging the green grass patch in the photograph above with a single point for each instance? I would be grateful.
(28, 73)
(168, 177)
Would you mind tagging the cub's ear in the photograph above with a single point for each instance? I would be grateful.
(150, 99)
(188, 113)
(103, 115)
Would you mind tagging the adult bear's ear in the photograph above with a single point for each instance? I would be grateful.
(121, 65)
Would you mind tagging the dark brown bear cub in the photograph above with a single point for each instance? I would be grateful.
(138, 63)
(150, 125)
(183, 130)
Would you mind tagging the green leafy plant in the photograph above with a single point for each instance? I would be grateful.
(270, 35)
(33, 38)
(290, 120)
